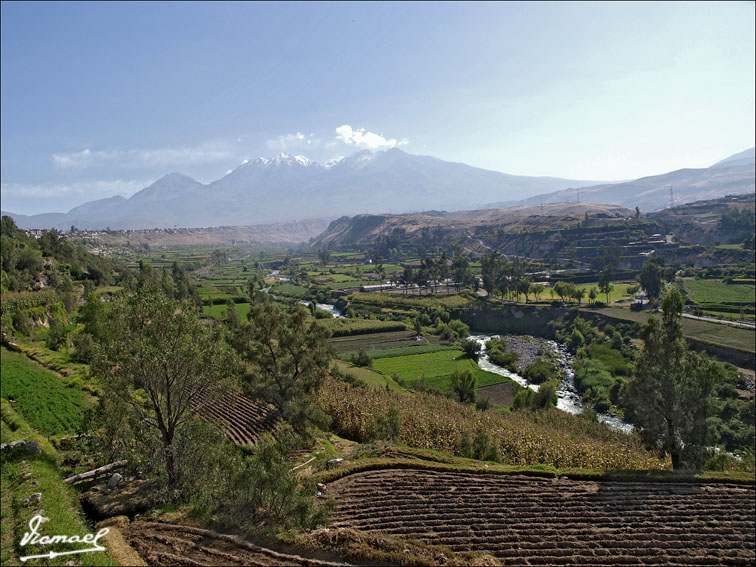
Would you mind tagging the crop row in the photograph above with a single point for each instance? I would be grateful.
(524, 437)
(241, 420)
(554, 521)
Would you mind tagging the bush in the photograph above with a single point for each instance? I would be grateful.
(540, 371)
(362, 358)
(83, 347)
(57, 334)
(472, 348)
(464, 384)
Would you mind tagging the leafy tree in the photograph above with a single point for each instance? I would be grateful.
(162, 363)
(471, 347)
(362, 358)
(670, 397)
(289, 356)
(562, 289)
(536, 290)
(651, 279)
(605, 283)
(324, 256)
(465, 384)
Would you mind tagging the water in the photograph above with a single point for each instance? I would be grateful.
(332, 309)
(568, 398)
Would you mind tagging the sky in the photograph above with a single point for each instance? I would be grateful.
(99, 99)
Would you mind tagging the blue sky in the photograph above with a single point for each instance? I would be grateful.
(101, 99)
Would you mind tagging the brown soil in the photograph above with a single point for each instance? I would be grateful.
(242, 420)
(537, 521)
(499, 394)
(170, 544)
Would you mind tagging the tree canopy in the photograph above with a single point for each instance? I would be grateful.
(671, 395)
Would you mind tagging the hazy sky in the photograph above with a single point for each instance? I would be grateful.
(101, 99)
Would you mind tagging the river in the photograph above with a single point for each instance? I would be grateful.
(327, 307)
(568, 398)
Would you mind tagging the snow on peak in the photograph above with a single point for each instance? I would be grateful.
(331, 162)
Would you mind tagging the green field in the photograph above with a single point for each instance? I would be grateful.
(218, 311)
(40, 396)
(435, 368)
(370, 377)
(341, 327)
(706, 331)
(382, 341)
(714, 291)
(619, 292)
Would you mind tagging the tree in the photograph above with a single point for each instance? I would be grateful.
(592, 294)
(605, 285)
(472, 348)
(289, 358)
(651, 279)
(465, 384)
(537, 290)
(671, 396)
(562, 289)
(162, 363)
(324, 256)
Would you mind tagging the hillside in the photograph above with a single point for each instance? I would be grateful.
(731, 176)
(363, 229)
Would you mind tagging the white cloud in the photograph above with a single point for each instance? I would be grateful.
(207, 152)
(365, 140)
(291, 142)
(96, 189)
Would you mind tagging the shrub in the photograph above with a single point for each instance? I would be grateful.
(362, 358)
(539, 371)
(464, 384)
(472, 348)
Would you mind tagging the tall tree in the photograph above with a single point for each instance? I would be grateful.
(671, 396)
(651, 279)
(162, 362)
(289, 358)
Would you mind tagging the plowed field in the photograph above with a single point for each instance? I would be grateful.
(538, 521)
(169, 544)
(240, 419)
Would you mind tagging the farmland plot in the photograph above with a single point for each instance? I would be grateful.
(539, 521)
(242, 420)
(171, 544)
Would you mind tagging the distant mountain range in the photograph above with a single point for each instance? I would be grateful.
(288, 188)
(731, 176)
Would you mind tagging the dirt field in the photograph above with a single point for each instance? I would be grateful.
(538, 521)
(168, 544)
(499, 394)
(240, 419)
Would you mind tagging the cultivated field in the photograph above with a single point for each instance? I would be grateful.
(535, 521)
(170, 544)
(241, 420)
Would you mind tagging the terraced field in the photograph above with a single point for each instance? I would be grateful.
(545, 521)
(242, 420)
(170, 544)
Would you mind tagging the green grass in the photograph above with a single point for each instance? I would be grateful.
(23, 476)
(618, 293)
(287, 288)
(218, 311)
(435, 368)
(706, 331)
(341, 327)
(370, 377)
(390, 299)
(40, 396)
(713, 291)
(398, 351)
(613, 360)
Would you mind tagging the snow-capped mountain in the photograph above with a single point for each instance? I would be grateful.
(288, 187)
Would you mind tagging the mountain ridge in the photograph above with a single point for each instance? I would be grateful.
(288, 187)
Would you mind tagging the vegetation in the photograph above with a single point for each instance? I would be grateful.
(670, 397)
(161, 364)
(48, 405)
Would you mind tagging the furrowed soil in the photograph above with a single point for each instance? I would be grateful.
(162, 544)
(545, 521)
